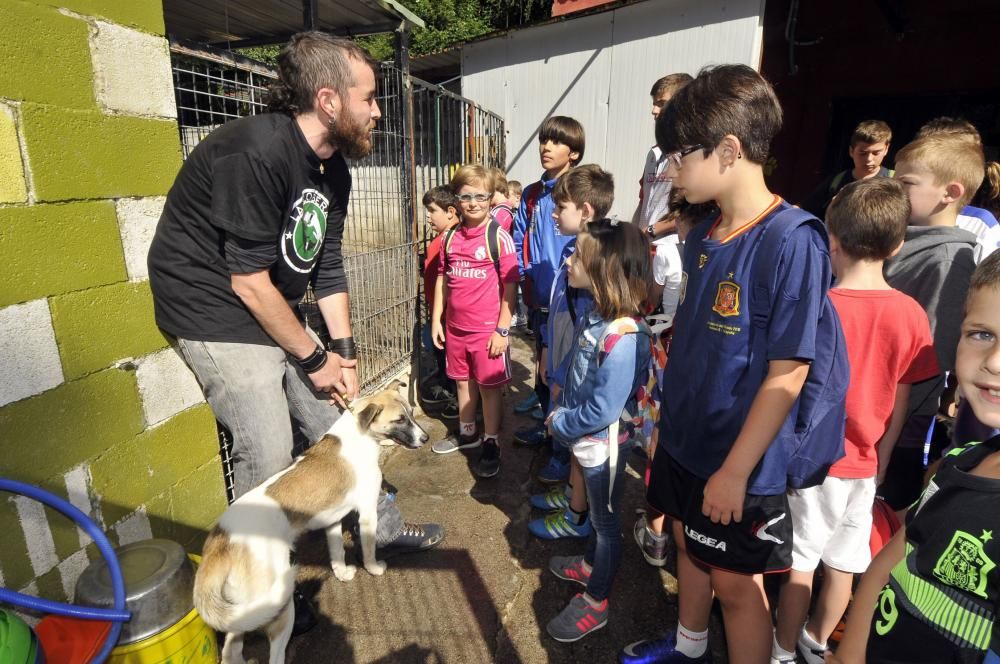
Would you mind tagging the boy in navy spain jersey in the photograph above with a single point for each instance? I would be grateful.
(721, 466)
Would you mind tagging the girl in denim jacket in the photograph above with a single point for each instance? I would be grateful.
(609, 362)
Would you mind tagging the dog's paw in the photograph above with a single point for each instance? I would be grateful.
(377, 568)
(344, 572)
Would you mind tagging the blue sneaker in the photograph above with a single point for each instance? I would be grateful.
(558, 526)
(551, 501)
(555, 471)
(531, 437)
(658, 651)
(527, 404)
(537, 414)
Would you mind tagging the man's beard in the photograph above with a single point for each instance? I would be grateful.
(350, 137)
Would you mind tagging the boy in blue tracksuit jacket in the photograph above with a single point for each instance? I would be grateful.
(540, 246)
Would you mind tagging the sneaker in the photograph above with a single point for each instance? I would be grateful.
(654, 549)
(809, 654)
(412, 538)
(531, 437)
(558, 526)
(435, 394)
(488, 464)
(305, 616)
(570, 568)
(577, 620)
(450, 411)
(517, 320)
(658, 651)
(527, 404)
(783, 660)
(553, 472)
(455, 442)
(537, 414)
(555, 500)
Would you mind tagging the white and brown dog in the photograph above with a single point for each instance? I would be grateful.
(245, 581)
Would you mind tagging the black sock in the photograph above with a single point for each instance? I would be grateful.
(576, 518)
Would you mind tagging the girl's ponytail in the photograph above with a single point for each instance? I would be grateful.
(988, 194)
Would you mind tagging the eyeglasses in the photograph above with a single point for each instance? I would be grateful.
(479, 198)
(676, 157)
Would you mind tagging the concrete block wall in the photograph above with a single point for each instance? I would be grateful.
(95, 405)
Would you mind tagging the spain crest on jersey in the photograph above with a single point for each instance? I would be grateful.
(727, 299)
(964, 564)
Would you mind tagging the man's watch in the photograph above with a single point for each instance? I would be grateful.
(503, 331)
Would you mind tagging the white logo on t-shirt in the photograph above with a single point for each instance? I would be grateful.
(480, 253)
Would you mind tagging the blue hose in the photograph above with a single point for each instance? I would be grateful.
(117, 614)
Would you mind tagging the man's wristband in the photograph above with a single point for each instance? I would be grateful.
(314, 361)
(345, 347)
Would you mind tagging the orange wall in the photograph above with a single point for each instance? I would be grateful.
(561, 7)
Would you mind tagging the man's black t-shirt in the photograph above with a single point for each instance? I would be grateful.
(821, 197)
(252, 196)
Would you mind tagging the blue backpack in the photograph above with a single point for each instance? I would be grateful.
(817, 440)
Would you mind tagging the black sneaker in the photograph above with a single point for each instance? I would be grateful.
(456, 442)
(305, 617)
(488, 464)
(450, 411)
(435, 394)
(412, 538)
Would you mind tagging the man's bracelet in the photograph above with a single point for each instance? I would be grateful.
(314, 361)
(345, 347)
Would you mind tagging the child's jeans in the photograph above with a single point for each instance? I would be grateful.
(604, 547)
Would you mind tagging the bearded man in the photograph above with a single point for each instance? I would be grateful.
(256, 214)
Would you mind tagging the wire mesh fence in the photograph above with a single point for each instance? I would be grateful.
(384, 236)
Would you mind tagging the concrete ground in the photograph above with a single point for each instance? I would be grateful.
(485, 594)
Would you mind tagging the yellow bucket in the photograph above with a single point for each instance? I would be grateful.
(190, 641)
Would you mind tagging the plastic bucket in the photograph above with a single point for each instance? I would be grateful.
(190, 641)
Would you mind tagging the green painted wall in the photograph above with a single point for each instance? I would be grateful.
(63, 161)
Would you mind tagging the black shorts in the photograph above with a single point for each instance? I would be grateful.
(760, 543)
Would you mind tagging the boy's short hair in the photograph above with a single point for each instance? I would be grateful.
(471, 175)
(670, 84)
(442, 196)
(987, 274)
(949, 159)
(871, 131)
(587, 184)
(565, 130)
(514, 188)
(499, 180)
(952, 127)
(868, 217)
(725, 99)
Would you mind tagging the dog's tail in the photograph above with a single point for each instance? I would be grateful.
(234, 593)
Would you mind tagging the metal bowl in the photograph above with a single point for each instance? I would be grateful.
(159, 582)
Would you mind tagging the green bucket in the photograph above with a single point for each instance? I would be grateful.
(18, 644)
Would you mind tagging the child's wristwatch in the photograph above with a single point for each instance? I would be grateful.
(503, 331)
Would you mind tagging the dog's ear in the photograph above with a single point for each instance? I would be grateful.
(368, 415)
(397, 385)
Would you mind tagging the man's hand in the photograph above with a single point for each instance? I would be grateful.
(338, 378)
(437, 334)
(723, 497)
(497, 345)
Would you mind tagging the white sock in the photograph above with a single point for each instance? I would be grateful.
(691, 644)
(779, 653)
(494, 436)
(467, 428)
(809, 641)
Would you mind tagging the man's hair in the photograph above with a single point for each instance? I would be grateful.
(471, 175)
(565, 130)
(948, 159)
(442, 196)
(587, 184)
(871, 131)
(311, 61)
(953, 127)
(987, 274)
(615, 255)
(514, 188)
(868, 217)
(670, 84)
(499, 180)
(725, 99)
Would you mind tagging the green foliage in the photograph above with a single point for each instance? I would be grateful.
(265, 54)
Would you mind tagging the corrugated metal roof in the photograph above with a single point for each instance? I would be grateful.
(246, 21)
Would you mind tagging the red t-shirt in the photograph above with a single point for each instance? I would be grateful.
(432, 268)
(888, 342)
(474, 287)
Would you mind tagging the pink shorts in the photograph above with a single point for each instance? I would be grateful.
(467, 357)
